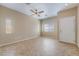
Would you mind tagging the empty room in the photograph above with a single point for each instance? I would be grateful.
(39, 29)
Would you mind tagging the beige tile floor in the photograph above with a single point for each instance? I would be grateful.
(39, 47)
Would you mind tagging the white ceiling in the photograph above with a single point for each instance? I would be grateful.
(50, 9)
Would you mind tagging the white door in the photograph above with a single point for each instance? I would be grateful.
(67, 29)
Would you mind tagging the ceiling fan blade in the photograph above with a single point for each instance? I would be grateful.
(36, 10)
(35, 14)
(32, 11)
(41, 12)
(38, 15)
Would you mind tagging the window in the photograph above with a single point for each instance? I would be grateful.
(8, 26)
(53, 28)
(48, 27)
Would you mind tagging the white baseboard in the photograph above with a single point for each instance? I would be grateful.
(18, 41)
(67, 42)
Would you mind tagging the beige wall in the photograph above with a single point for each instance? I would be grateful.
(68, 12)
(52, 21)
(78, 26)
(23, 26)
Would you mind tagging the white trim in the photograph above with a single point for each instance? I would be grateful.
(18, 41)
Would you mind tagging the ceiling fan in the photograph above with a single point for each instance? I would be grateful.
(35, 11)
